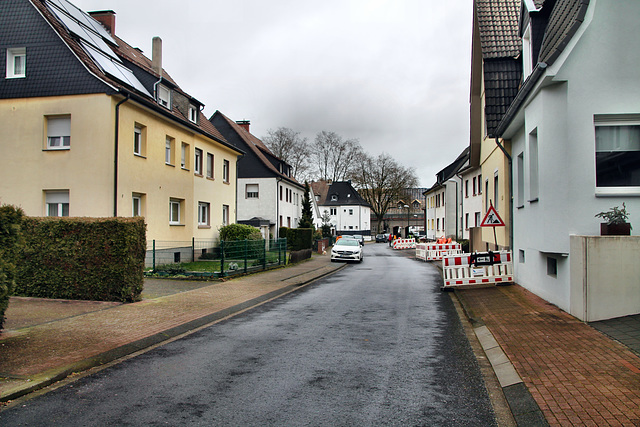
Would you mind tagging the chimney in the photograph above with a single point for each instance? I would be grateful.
(156, 56)
(244, 124)
(107, 18)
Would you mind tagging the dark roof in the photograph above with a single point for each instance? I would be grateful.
(447, 173)
(501, 82)
(565, 18)
(131, 59)
(343, 191)
(253, 145)
(498, 26)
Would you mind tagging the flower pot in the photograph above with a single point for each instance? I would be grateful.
(615, 229)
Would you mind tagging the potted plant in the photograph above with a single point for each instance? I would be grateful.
(616, 222)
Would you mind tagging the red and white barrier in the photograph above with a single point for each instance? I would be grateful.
(404, 244)
(435, 252)
(458, 270)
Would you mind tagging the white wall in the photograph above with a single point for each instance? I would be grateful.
(605, 274)
(597, 74)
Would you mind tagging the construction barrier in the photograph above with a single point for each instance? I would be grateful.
(404, 244)
(435, 252)
(480, 268)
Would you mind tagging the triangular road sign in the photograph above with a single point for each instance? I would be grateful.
(492, 219)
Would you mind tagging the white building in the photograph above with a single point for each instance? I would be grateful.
(346, 209)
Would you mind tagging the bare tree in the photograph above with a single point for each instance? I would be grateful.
(335, 157)
(289, 146)
(381, 181)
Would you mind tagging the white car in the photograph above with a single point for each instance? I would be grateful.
(346, 250)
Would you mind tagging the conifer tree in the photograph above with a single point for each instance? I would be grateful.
(307, 214)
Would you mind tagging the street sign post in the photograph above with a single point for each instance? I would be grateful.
(492, 219)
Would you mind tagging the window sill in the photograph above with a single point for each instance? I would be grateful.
(617, 191)
(211, 179)
(184, 169)
(169, 164)
(520, 207)
(17, 77)
(203, 226)
(56, 149)
(226, 182)
(139, 155)
(198, 175)
(176, 225)
(533, 200)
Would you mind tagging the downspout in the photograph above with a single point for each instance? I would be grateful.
(278, 180)
(116, 144)
(510, 192)
(462, 196)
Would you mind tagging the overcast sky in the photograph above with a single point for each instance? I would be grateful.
(392, 73)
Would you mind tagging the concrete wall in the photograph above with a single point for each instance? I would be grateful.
(605, 277)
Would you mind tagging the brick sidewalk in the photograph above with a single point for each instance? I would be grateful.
(577, 375)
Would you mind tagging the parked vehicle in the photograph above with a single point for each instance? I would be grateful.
(359, 238)
(347, 249)
(382, 238)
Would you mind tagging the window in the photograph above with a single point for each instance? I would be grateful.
(289, 221)
(225, 171)
(480, 184)
(477, 220)
(350, 211)
(59, 132)
(280, 193)
(334, 198)
(16, 63)
(334, 211)
(193, 114)
(474, 186)
(520, 177)
(197, 167)
(175, 211)
(521, 256)
(533, 166)
(184, 156)
(466, 220)
(203, 214)
(136, 204)
(164, 96)
(57, 203)
(139, 140)
(466, 188)
(252, 191)
(495, 190)
(210, 165)
(438, 223)
(486, 194)
(225, 215)
(168, 150)
(552, 267)
(617, 154)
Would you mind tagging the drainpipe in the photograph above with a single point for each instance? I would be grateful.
(115, 155)
(510, 192)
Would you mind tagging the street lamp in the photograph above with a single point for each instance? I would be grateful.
(406, 233)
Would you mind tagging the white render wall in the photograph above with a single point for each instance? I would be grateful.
(268, 204)
(472, 204)
(602, 75)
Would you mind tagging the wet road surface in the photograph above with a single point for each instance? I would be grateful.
(375, 344)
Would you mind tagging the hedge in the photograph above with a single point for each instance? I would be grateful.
(297, 238)
(10, 241)
(98, 259)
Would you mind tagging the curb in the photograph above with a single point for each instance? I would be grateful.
(524, 408)
(58, 374)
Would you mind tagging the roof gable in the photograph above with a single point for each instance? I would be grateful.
(338, 193)
(498, 28)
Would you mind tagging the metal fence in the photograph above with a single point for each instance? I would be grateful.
(223, 258)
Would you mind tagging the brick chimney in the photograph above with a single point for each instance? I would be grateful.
(156, 55)
(107, 18)
(244, 124)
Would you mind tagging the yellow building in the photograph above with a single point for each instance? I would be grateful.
(496, 73)
(93, 128)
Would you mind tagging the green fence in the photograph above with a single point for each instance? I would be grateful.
(207, 258)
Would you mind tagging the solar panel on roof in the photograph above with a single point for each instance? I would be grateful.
(114, 68)
(83, 18)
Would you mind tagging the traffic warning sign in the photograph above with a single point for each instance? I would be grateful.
(492, 219)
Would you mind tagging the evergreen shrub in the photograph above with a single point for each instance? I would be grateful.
(10, 242)
(98, 259)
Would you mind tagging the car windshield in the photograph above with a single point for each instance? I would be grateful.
(347, 242)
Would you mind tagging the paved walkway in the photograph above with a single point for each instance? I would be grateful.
(577, 375)
(45, 341)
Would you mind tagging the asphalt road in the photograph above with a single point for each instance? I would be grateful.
(375, 344)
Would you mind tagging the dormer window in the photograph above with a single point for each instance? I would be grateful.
(334, 198)
(164, 96)
(16, 63)
(527, 52)
(193, 114)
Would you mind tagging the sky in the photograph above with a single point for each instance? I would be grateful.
(393, 74)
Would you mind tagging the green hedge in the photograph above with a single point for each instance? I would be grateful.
(297, 238)
(10, 241)
(99, 259)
